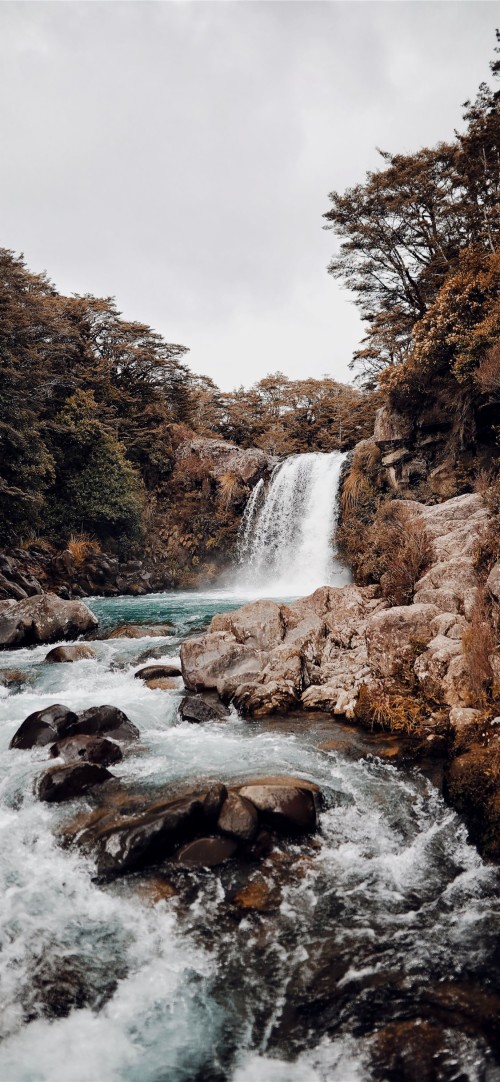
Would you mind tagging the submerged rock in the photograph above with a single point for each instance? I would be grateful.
(75, 652)
(194, 708)
(66, 782)
(157, 672)
(91, 749)
(43, 727)
(206, 852)
(43, 618)
(140, 631)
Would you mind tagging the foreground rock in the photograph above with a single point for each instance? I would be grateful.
(43, 618)
(201, 829)
(67, 782)
(90, 749)
(157, 672)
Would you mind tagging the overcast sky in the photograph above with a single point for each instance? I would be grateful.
(179, 156)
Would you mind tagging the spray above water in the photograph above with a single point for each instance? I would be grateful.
(287, 538)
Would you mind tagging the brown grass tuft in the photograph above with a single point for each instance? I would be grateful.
(478, 646)
(82, 546)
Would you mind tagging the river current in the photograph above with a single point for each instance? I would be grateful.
(389, 917)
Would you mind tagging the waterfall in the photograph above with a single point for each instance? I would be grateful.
(286, 545)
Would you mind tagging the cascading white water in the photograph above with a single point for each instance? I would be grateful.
(286, 543)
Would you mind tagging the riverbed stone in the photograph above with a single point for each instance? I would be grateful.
(285, 808)
(102, 719)
(61, 783)
(239, 818)
(140, 631)
(213, 802)
(207, 852)
(196, 709)
(76, 652)
(157, 672)
(143, 840)
(43, 726)
(91, 749)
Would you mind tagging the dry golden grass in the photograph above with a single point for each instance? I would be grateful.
(487, 375)
(478, 646)
(82, 546)
(228, 488)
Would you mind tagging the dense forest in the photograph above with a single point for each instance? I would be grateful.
(94, 409)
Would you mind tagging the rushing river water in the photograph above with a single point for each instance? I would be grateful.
(388, 919)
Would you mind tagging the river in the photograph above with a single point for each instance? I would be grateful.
(388, 915)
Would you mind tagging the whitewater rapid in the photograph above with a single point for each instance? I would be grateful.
(287, 539)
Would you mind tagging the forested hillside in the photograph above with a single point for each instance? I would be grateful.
(419, 246)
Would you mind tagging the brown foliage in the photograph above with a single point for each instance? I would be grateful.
(478, 646)
(82, 546)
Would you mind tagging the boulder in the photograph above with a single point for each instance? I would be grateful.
(76, 652)
(102, 719)
(258, 895)
(207, 659)
(43, 618)
(213, 802)
(391, 635)
(493, 581)
(91, 749)
(260, 700)
(238, 818)
(145, 839)
(194, 708)
(260, 625)
(470, 785)
(206, 852)
(448, 584)
(43, 726)
(140, 631)
(464, 726)
(162, 683)
(285, 808)
(67, 782)
(157, 672)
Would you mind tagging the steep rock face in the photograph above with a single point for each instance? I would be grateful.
(269, 657)
(222, 457)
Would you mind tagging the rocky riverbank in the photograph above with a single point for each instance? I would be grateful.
(409, 668)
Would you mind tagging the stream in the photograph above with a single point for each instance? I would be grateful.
(378, 950)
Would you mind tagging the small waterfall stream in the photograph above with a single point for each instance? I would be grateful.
(286, 545)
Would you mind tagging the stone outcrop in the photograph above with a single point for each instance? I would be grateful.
(318, 652)
(74, 652)
(43, 618)
(57, 722)
(222, 457)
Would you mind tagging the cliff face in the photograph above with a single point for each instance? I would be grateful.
(435, 450)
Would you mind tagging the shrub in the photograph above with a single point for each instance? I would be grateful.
(478, 647)
(81, 546)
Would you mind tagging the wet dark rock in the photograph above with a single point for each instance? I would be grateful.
(157, 672)
(75, 652)
(15, 678)
(66, 782)
(285, 808)
(140, 631)
(409, 1051)
(238, 818)
(91, 749)
(258, 895)
(152, 654)
(103, 719)
(213, 802)
(206, 852)
(11, 589)
(470, 785)
(145, 839)
(261, 847)
(43, 727)
(195, 709)
(60, 985)
(43, 618)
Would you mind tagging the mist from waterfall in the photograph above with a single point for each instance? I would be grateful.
(287, 537)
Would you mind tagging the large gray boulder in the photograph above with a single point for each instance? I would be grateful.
(43, 618)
